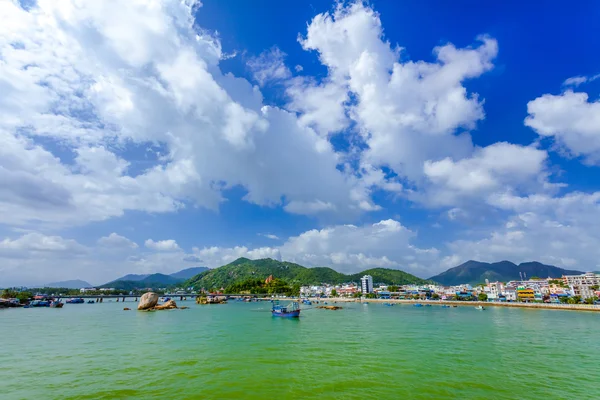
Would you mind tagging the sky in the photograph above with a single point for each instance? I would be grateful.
(156, 135)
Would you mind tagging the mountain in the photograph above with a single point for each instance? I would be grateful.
(475, 272)
(243, 269)
(188, 272)
(153, 281)
(132, 277)
(73, 284)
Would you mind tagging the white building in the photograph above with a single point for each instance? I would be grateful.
(87, 289)
(366, 283)
(583, 285)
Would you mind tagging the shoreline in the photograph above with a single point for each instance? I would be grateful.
(545, 306)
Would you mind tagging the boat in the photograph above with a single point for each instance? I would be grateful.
(292, 310)
(39, 303)
(78, 300)
(388, 304)
(91, 302)
(445, 306)
(417, 305)
(427, 305)
(56, 304)
(480, 308)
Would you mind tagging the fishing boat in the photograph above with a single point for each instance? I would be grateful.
(388, 304)
(91, 301)
(292, 310)
(480, 308)
(445, 306)
(417, 305)
(75, 301)
(39, 303)
(56, 304)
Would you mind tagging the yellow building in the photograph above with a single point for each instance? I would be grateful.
(525, 294)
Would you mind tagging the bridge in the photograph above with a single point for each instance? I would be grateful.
(174, 296)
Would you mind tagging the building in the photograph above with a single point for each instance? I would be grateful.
(366, 283)
(525, 294)
(584, 285)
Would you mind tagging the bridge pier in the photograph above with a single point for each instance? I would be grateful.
(117, 299)
(123, 299)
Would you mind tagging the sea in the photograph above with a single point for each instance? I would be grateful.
(239, 351)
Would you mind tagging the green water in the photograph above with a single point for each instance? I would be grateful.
(238, 350)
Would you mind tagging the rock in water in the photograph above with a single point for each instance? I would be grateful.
(147, 301)
(167, 306)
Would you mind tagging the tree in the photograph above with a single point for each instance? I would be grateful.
(333, 293)
(435, 296)
(393, 288)
(482, 296)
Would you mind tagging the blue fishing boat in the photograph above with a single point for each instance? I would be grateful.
(56, 304)
(40, 303)
(418, 305)
(445, 306)
(76, 301)
(292, 310)
(388, 304)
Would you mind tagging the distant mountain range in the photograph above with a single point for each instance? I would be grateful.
(73, 284)
(475, 272)
(243, 269)
(135, 281)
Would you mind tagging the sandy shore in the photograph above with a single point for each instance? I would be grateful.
(574, 307)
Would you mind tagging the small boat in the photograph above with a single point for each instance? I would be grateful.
(366, 303)
(480, 308)
(445, 306)
(76, 301)
(39, 303)
(56, 304)
(292, 310)
(427, 305)
(91, 302)
(417, 305)
(388, 304)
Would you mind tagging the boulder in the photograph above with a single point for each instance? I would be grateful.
(126, 309)
(169, 305)
(148, 301)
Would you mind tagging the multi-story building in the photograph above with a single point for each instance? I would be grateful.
(366, 283)
(584, 285)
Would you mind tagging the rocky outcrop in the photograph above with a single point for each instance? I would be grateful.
(127, 309)
(169, 305)
(148, 301)
(330, 307)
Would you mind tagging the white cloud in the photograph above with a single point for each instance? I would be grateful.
(115, 241)
(162, 245)
(270, 236)
(579, 80)
(569, 118)
(407, 112)
(496, 168)
(93, 84)
(298, 68)
(269, 67)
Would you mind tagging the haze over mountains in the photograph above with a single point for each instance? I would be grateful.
(71, 284)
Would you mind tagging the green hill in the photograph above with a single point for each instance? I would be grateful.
(154, 281)
(243, 269)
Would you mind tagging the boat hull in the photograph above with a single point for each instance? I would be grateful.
(289, 314)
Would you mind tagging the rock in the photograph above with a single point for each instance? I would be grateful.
(169, 305)
(183, 308)
(127, 309)
(330, 307)
(148, 301)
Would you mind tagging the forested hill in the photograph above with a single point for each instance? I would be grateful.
(243, 269)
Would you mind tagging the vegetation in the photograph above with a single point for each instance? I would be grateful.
(13, 294)
(482, 297)
(243, 269)
(154, 281)
(259, 286)
(333, 293)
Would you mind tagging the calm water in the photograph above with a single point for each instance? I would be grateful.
(237, 350)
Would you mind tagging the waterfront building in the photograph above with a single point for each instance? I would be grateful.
(584, 285)
(88, 289)
(525, 294)
(366, 283)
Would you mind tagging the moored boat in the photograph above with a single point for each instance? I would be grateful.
(56, 304)
(77, 300)
(292, 310)
(91, 301)
(480, 308)
(417, 305)
(39, 303)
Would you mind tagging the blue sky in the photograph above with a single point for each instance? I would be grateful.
(412, 135)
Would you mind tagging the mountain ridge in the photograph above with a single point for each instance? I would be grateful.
(69, 284)
(475, 272)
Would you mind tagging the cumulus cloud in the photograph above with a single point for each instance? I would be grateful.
(571, 120)
(162, 245)
(95, 84)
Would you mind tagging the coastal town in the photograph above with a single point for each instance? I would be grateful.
(570, 289)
